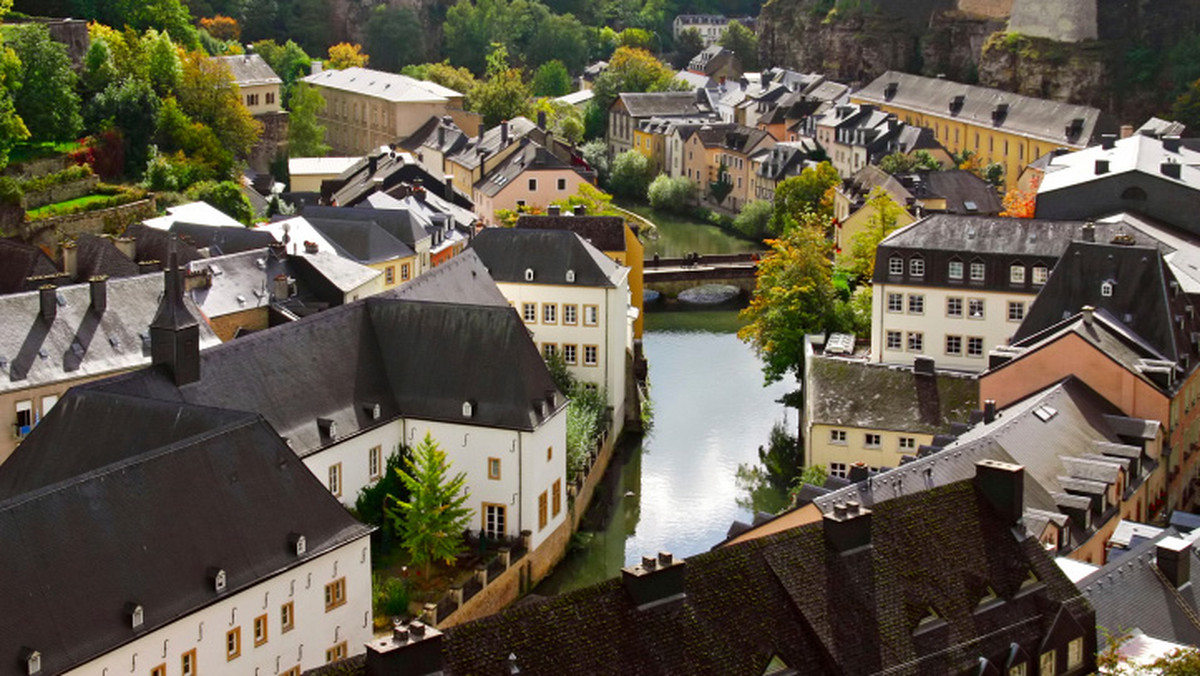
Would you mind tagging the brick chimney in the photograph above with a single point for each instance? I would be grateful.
(1003, 485)
(656, 580)
(848, 527)
(414, 649)
(1173, 557)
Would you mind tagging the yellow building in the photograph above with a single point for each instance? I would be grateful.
(997, 126)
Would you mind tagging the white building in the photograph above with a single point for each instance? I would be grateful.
(573, 299)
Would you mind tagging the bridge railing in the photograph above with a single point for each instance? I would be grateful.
(702, 259)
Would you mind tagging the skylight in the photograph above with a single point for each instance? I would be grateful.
(1045, 413)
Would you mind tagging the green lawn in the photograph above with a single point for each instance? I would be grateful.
(31, 151)
(67, 207)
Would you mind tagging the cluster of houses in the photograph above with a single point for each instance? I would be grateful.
(194, 403)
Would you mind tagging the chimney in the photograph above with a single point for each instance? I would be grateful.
(1089, 232)
(448, 187)
(175, 333)
(503, 133)
(372, 164)
(126, 246)
(48, 297)
(317, 67)
(554, 210)
(441, 136)
(1101, 167)
(541, 120)
(310, 247)
(1170, 169)
(70, 259)
(1126, 130)
(1108, 141)
(99, 288)
(1171, 144)
(580, 210)
(655, 581)
(281, 287)
(1003, 485)
(418, 189)
(1173, 557)
(848, 527)
(889, 92)
(1089, 315)
(923, 366)
(412, 650)
(989, 411)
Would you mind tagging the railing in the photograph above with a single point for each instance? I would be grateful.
(496, 555)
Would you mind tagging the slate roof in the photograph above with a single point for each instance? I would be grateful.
(344, 274)
(426, 136)
(379, 84)
(532, 156)
(1141, 295)
(136, 511)
(606, 233)
(990, 234)
(508, 253)
(1137, 153)
(79, 343)
(95, 256)
(664, 104)
(958, 188)
(152, 244)
(738, 138)
(490, 142)
(236, 282)
(462, 279)
(1129, 593)
(1026, 116)
(377, 351)
(358, 182)
(404, 224)
(193, 212)
(362, 241)
(874, 396)
(792, 596)
(220, 240)
(20, 261)
(249, 70)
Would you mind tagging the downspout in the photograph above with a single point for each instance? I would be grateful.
(520, 482)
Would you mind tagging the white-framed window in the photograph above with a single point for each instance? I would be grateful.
(916, 303)
(837, 436)
(529, 312)
(570, 313)
(24, 422)
(493, 520)
(837, 469)
(954, 306)
(977, 271)
(375, 462)
(908, 443)
(975, 308)
(895, 265)
(1075, 653)
(916, 341)
(1016, 274)
(549, 313)
(569, 353)
(590, 355)
(1016, 310)
(335, 479)
(549, 350)
(974, 346)
(872, 440)
(895, 302)
(895, 340)
(955, 270)
(260, 630)
(1040, 274)
(591, 315)
(916, 267)
(1106, 289)
(954, 345)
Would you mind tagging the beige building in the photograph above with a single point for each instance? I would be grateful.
(307, 173)
(712, 147)
(366, 109)
(258, 87)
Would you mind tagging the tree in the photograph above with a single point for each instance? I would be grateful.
(99, 71)
(811, 191)
(633, 70)
(635, 38)
(289, 61)
(557, 37)
(46, 99)
(881, 221)
(743, 42)
(179, 133)
(162, 62)
(222, 27)
(371, 504)
(226, 196)
(432, 520)
(595, 153)
(459, 79)
(671, 194)
(631, 174)
(720, 188)
(504, 94)
(563, 119)
(345, 55)
(12, 127)
(752, 221)
(551, 79)
(394, 37)
(687, 45)
(1186, 108)
(132, 107)
(306, 134)
(899, 163)
(207, 95)
(1110, 661)
(793, 296)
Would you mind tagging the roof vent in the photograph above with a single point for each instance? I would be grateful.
(889, 92)
(1075, 128)
(32, 660)
(468, 409)
(999, 113)
(956, 103)
(529, 274)
(297, 543)
(1101, 167)
(1108, 141)
(135, 614)
(570, 276)
(217, 578)
(327, 427)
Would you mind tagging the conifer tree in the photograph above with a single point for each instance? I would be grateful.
(431, 522)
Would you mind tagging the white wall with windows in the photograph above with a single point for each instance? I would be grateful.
(296, 620)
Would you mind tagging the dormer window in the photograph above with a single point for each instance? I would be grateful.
(1016, 274)
(916, 267)
(468, 409)
(298, 544)
(217, 577)
(570, 276)
(136, 615)
(327, 427)
(1106, 289)
(955, 270)
(895, 265)
(529, 274)
(33, 661)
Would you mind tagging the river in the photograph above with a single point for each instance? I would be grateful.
(676, 488)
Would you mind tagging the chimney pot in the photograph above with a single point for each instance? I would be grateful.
(1089, 314)
(649, 562)
(553, 210)
(70, 259)
(541, 120)
(847, 531)
(664, 559)
(989, 410)
(48, 298)
(1171, 169)
(1126, 130)
(1089, 232)
(417, 629)
(1108, 141)
(503, 133)
(656, 581)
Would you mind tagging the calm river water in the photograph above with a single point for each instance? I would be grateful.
(676, 490)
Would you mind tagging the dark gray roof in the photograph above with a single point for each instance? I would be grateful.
(532, 156)
(150, 244)
(550, 254)
(664, 104)
(490, 142)
(362, 241)
(97, 256)
(406, 225)
(462, 279)
(1129, 592)
(140, 516)
(1026, 116)
(606, 233)
(20, 261)
(990, 234)
(80, 343)
(359, 181)
(222, 239)
(738, 138)
(875, 396)
(793, 596)
(452, 138)
(1143, 295)
(420, 358)
(236, 282)
(964, 192)
(249, 70)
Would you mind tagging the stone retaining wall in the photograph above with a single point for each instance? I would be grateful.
(50, 231)
(60, 193)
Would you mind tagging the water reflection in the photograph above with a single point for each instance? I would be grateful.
(677, 490)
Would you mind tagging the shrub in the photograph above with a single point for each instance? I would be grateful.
(752, 221)
(631, 174)
(390, 596)
(586, 420)
(673, 195)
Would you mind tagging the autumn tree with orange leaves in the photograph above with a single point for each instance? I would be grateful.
(1021, 203)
